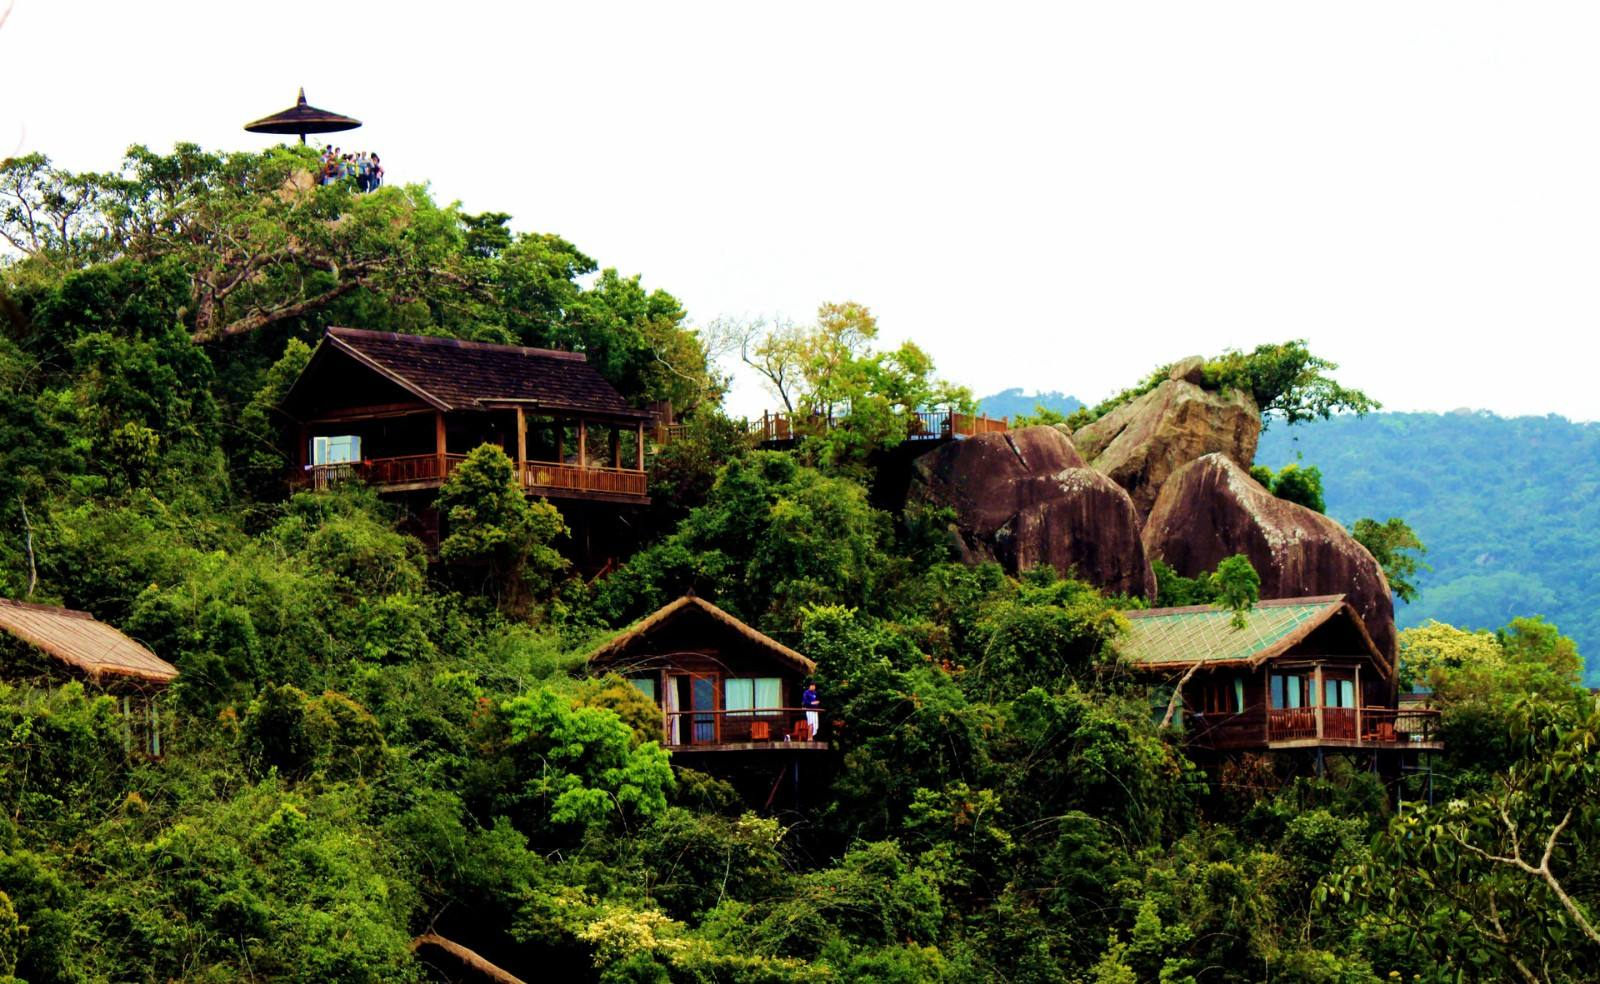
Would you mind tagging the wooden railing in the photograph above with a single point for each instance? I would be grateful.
(1376, 725)
(537, 476)
(542, 475)
(1410, 725)
(686, 729)
(923, 425)
(1291, 723)
(385, 471)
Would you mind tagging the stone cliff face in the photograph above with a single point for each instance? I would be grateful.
(1141, 443)
(1025, 498)
(1211, 509)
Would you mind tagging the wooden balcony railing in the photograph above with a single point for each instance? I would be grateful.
(1374, 725)
(1291, 723)
(687, 729)
(386, 471)
(540, 476)
(537, 476)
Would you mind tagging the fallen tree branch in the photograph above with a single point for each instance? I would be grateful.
(33, 567)
(1177, 695)
(1541, 871)
(469, 957)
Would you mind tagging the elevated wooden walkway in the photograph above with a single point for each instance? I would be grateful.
(779, 428)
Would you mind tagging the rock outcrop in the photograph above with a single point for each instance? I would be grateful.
(1141, 443)
(1211, 509)
(1026, 497)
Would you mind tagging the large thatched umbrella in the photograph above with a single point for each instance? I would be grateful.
(303, 119)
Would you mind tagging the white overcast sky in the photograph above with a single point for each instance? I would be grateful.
(1048, 196)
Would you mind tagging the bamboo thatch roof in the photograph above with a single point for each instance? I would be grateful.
(76, 639)
(1205, 635)
(621, 646)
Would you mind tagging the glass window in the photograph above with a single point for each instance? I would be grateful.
(1339, 693)
(769, 693)
(646, 685)
(1290, 691)
(335, 450)
(752, 694)
(738, 695)
(1238, 696)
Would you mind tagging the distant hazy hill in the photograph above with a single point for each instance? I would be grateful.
(1011, 402)
(1509, 508)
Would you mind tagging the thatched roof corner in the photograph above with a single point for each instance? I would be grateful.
(618, 647)
(466, 957)
(1173, 639)
(81, 642)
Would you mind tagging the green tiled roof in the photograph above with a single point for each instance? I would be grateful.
(1180, 637)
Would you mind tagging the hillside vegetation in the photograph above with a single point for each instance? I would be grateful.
(369, 743)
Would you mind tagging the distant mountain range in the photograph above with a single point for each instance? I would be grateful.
(1509, 507)
(1014, 402)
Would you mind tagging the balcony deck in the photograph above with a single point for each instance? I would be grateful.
(416, 472)
(1373, 728)
(777, 729)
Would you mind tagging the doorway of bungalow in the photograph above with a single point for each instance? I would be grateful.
(692, 698)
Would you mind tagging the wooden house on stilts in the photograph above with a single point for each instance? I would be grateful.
(400, 412)
(1299, 675)
(731, 697)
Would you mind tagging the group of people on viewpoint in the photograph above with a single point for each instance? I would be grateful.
(364, 168)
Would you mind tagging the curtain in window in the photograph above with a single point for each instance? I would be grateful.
(1238, 696)
(738, 695)
(768, 692)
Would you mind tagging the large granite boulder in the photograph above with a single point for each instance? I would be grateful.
(1141, 443)
(1026, 497)
(1211, 509)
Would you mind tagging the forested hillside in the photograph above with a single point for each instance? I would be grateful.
(377, 741)
(1509, 508)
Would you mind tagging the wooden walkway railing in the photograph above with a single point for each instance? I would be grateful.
(776, 426)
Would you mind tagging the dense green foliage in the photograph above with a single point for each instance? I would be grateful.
(367, 743)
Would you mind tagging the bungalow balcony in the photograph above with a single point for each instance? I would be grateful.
(1375, 728)
(417, 472)
(768, 728)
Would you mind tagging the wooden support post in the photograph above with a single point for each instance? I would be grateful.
(1358, 703)
(638, 451)
(1316, 698)
(583, 444)
(522, 447)
(439, 442)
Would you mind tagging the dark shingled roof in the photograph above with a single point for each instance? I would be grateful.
(452, 374)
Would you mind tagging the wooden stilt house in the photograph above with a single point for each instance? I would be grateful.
(400, 412)
(722, 686)
(1298, 673)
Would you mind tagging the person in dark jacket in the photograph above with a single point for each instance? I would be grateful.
(811, 702)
